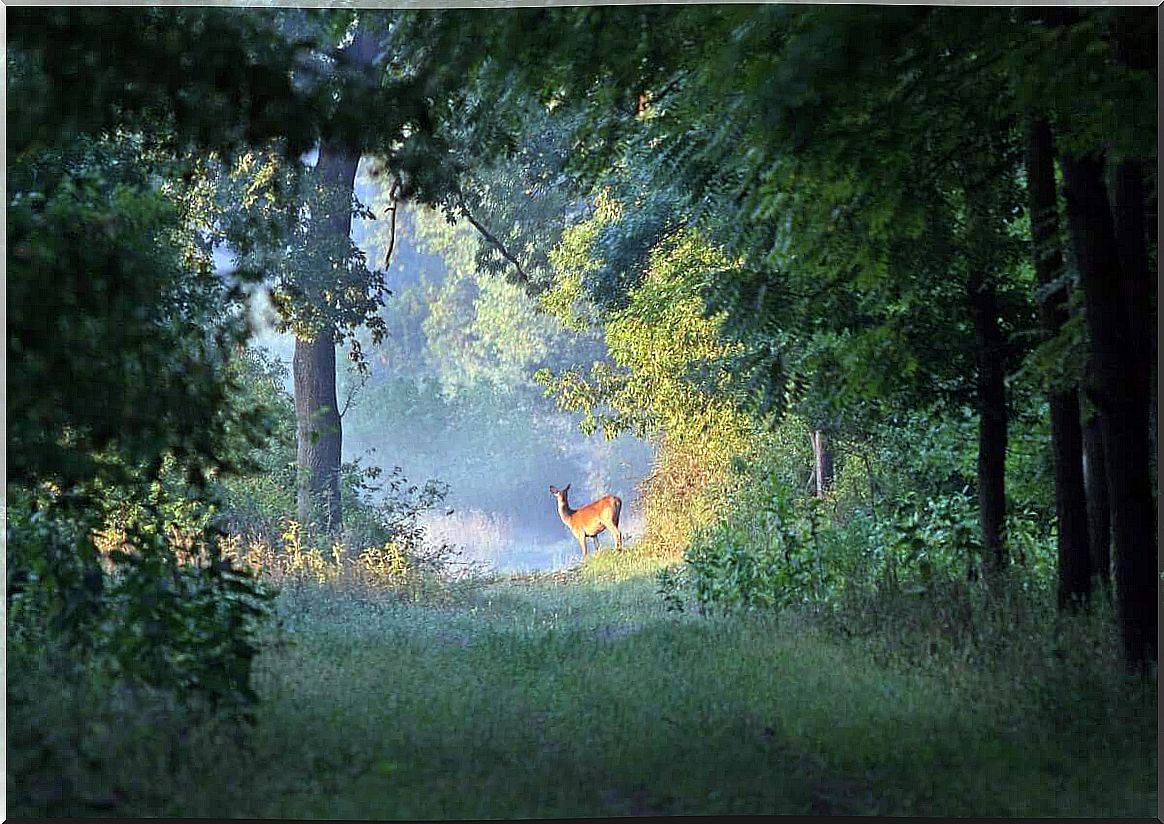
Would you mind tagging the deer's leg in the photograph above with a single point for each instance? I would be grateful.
(617, 535)
(582, 543)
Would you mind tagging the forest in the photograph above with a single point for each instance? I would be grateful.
(325, 326)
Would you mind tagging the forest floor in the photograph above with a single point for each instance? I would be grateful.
(578, 694)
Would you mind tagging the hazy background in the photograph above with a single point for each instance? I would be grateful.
(450, 396)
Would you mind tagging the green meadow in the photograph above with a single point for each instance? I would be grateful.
(578, 694)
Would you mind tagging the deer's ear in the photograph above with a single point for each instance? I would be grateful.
(553, 490)
(567, 489)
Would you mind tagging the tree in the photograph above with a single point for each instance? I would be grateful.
(822, 475)
(319, 430)
(1123, 413)
(921, 134)
(1102, 114)
(321, 287)
(1098, 505)
(1071, 510)
(122, 408)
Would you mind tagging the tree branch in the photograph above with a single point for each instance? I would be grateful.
(352, 390)
(393, 194)
(489, 236)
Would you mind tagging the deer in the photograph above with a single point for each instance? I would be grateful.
(591, 519)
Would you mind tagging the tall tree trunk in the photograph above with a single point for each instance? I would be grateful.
(1098, 506)
(318, 432)
(1131, 237)
(1123, 408)
(822, 464)
(1139, 291)
(992, 420)
(1151, 220)
(319, 428)
(1066, 433)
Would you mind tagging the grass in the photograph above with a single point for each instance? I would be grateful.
(577, 694)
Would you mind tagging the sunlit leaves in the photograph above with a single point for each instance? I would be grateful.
(666, 370)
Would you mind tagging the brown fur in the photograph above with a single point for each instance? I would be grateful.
(591, 520)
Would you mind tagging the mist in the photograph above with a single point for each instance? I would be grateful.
(449, 395)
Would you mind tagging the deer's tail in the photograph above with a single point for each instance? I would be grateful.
(617, 509)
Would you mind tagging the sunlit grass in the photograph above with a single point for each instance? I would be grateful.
(634, 561)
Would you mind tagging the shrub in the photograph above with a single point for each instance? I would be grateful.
(772, 547)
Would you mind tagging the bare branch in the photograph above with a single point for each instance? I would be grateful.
(353, 389)
(489, 236)
(393, 195)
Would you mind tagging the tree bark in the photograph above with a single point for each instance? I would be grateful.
(319, 429)
(319, 436)
(992, 420)
(1123, 408)
(318, 425)
(1151, 221)
(1066, 433)
(1098, 506)
(822, 472)
(1131, 237)
(1139, 290)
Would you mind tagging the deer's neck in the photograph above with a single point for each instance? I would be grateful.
(564, 510)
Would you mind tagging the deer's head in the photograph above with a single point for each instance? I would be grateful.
(560, 494)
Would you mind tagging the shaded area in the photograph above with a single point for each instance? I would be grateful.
(583, 696)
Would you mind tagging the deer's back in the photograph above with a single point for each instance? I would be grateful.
(607, 507)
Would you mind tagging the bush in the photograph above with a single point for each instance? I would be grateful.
(773, 547)
(384, 546)
(770, 551)
(141, 606)
(255, 501)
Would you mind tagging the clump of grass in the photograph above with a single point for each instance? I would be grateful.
(1022, 668)
(391, 569)
(613, 566)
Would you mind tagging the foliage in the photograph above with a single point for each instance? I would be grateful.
(668, 373)
(481, 329)
(383, 508)
(524, 199)
(900, 519)
(665, 370)
(275, 217)
(721, 227)
(213, 78)
(123, 405)
(253, 502)
(399, 567)
(455, 380)
(127, 351)
(127, 602)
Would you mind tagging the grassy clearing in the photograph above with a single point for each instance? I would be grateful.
(578, 694)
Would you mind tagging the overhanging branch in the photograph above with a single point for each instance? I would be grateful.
(491, 238)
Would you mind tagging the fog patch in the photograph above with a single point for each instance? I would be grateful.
(448, 395)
